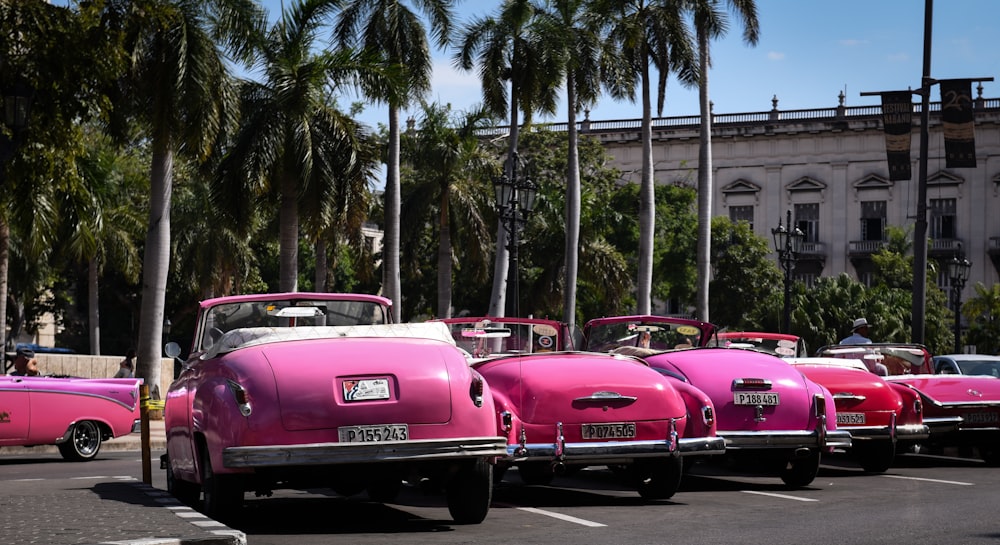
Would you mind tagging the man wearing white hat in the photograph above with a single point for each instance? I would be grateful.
(859, 333)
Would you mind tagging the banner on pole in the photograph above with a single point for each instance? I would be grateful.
(958, 121)
(897, 121)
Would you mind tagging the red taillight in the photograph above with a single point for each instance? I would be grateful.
(819, 402)
(241, 397)
(708, 415)
(476, 391)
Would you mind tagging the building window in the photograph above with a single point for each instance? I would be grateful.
(741, 213)
(943, 218)
(873, 220)
(807, 220)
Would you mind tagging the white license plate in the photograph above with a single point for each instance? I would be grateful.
(617, 430)
(366, 389)
(756, 398)
(850, 418)
(373, 434)
(981, 418)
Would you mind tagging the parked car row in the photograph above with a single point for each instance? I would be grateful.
(324, 390)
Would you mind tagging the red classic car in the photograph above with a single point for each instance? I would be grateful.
(75, 414)
(881, 415)
(769, 414)
(779, 344)
(317, 390)
(561, 411)
(959, 410)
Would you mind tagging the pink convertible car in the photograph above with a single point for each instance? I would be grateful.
(769, 414)
(75, 414)
(561, 411)
(315, 390)
(959, 410)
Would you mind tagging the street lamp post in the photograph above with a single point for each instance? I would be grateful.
(515, 194)
(16, 101)
(787, 242)
(958, 273)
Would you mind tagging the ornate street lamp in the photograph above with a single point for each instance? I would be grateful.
(16, 107)
(958, 273)
(515, 194)
(788, 243)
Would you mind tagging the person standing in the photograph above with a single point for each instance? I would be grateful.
(859, 333)
(25, 364)
(126, 368)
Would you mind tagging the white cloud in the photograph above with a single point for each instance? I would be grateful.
(850, 42)
(775, 56)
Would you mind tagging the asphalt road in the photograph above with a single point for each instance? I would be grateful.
(922, 500)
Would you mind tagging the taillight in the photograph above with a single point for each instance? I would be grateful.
(242, 399)
(918, 406)
(476, 391)
(506, 421)
(819, 403)
(708, 415)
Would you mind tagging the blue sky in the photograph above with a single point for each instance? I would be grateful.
(809, 51)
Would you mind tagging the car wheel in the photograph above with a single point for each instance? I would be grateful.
(84, 442)
(799, 472)
(469, 492)
(990, 454)
(659, 479)
(186, 492)
(876, 457)
(222, 494)
(535, 473)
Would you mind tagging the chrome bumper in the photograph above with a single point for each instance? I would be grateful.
(609, 451)
(136, 426)
(786, 439)
(910, 432)
(355, 453)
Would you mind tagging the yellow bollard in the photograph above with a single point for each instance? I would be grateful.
(147, 470)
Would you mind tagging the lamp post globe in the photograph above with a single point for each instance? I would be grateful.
(788, 243)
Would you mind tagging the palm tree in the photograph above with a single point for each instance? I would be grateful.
(710, 23)
(508, 51)
(449, 164)
(293, 143)
(648, 33)
(179, 88)
(574, 32)
(101, 219)
(391, 28)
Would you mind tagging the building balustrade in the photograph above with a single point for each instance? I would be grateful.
(946, 246)
(809, 250)
(865, 247)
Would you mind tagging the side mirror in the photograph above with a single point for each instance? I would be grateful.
(172, 349)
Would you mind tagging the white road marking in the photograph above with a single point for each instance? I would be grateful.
(773, 495)
(960, 483)
(559, 516)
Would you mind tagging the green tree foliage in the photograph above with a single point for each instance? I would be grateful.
(983, 313)
(743, 277)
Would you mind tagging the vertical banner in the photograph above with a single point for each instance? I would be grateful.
(897, 121)
(958, 121)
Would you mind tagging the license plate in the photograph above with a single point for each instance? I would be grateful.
(618, 430)
(366, 389)
(850, 418)
(981, 418)
(373, 434)
(756, 398)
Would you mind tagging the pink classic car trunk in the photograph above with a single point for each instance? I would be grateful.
(721, 381)
(361, 382)
(563, 389)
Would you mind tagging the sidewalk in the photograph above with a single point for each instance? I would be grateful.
(111, 511)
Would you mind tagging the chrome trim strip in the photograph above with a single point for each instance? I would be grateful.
(611, 450)
(908, 432)
(351, 453)
(785, 439)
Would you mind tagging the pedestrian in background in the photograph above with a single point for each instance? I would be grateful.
(859, 333)
(126, 368)
(25, 364)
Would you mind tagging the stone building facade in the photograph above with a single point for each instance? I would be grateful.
(828, 167)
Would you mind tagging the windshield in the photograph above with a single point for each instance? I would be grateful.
(656, 336)
(980, 367)
(225, 317)
(484, 337)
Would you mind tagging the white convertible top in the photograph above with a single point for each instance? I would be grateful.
(832, 362)
(252, 336)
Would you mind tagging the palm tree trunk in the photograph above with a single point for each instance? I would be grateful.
(390, 249)
(321, 266)
(704, 182)
(93, 311)
(498, 299)
(572, 206)
(444, 255)
(647, 211)
(155, 267)
(288, 234)
(4, 285)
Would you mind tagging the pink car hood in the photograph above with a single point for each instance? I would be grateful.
(568, 387)
(314, 378)
(954, 389)
(713, 370)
